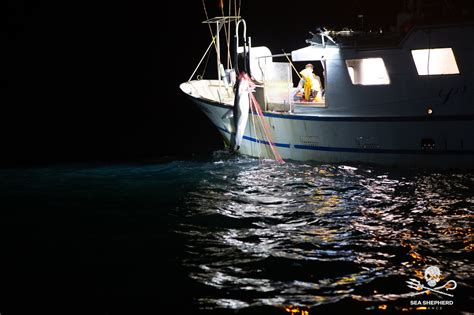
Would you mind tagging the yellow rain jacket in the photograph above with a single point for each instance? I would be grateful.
(310, 83)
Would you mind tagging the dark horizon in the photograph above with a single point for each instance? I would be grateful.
(100, 83)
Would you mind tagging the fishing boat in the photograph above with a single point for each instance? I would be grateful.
(404, 100)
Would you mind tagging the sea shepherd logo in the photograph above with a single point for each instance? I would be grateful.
(432, 277)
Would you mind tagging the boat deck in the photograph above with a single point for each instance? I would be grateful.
(305, 109)
(214, 92)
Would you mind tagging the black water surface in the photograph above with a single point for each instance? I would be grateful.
(228, 234)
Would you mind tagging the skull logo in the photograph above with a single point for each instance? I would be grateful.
(432, 275)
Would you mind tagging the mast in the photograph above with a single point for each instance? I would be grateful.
(218, 45)
(220, 21)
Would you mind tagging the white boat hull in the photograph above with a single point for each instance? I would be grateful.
(394, 141)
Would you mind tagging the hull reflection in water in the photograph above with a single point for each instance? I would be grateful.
(322, 238)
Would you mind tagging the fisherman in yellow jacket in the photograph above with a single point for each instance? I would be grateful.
(310, 83)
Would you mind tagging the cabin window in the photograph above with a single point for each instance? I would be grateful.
(368, 71)
(436, 61)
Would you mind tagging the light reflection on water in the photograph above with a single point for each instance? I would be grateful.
(323, 235)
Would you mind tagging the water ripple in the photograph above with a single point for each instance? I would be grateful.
(314, 235)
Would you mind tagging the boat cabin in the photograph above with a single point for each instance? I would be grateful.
(423, 73)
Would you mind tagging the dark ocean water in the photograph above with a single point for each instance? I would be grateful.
(233, 235)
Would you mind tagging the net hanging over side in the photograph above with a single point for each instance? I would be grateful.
(263, 134)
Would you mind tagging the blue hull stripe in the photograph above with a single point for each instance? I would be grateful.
(281, 145)
(386, 151)
(356, 150)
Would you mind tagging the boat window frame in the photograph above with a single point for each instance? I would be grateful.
(428, 74)
(353, 79)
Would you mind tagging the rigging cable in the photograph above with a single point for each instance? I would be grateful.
(205, 65)
(207, 50)
(221, 5)
(229, 60)
(208, 24)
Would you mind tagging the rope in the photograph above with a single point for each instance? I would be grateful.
(260, 156)
(265, 128)
(207, 50)
(225, 33)
(205, 65)
(291, 63)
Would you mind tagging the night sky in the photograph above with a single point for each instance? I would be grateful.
(78, 79)
(88, 82)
